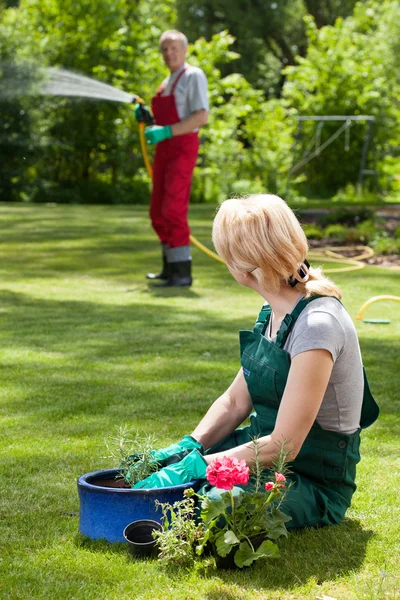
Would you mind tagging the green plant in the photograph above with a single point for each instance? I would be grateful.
(348, 216)
(237, 520)
(386, 245)
(338, 232)
(181, 531)
(368, 230)
(132, 455)
(313, 232)
(353, 194)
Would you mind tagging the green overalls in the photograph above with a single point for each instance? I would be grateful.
(323, 472)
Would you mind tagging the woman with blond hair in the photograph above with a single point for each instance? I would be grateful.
(301, 379)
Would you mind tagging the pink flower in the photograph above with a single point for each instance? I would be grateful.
(269, 486)
(279, 478)
(226, 472)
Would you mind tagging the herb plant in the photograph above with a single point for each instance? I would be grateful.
(133, 455)
(181, 531)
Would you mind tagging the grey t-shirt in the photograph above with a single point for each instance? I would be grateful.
(190, 92)
(325, 323)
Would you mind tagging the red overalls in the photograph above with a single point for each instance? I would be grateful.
(173, 166)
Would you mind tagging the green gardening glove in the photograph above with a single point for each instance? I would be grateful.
(173, 453)
(163, 457)
(157, 133)
(143, 115)
(192, 467)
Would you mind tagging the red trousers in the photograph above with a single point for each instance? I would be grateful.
(173, 166)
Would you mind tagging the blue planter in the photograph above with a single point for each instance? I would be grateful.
(106, 507)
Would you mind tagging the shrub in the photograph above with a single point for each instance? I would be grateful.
(368, 230)
(338, 232)
(313, 232)
(348, 216)
(386, 245)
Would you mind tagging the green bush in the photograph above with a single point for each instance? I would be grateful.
(351, 68)
(313, 232)
(368, 230)
(338, 232)
(353, 194)
(386, 245)
(348, 216)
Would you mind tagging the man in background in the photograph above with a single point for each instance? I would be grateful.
(180, 108)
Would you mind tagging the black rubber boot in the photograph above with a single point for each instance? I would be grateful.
(164, 272)
(180, 275)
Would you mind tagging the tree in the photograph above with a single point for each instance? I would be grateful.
(351, 68)
(269, 35)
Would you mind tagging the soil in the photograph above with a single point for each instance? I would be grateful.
(112, 483)
(391, 215)
(351, 250)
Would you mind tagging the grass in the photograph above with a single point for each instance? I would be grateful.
(87, 346)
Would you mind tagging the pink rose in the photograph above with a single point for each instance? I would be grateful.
(269, 486)
(279, 478)
(226, 472)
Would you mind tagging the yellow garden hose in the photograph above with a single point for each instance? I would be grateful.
(326, 254)
(372, 300)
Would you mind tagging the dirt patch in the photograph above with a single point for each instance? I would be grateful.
(351, 251)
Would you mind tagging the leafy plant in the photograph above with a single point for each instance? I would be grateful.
(348, 216)
(181, 531)
(132, 455)
(386, 245)
(237, 520)
(313, 232)
(338, 232)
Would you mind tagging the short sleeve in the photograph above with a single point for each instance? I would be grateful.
(197, 92)
(316, 330)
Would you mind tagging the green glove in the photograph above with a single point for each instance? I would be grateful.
(143, 115)
(173, 453)
(156, 133)
(192, 467)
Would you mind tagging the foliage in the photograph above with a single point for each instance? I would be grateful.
(336, 231)
(251, 135)
(132, 455)
(268, 35)
(90, 141)
(347, 216)
(385, 244)
(181, 531)
(79, 150)
(351, 68)
(237, 520)
(355, 194)
(313, 231)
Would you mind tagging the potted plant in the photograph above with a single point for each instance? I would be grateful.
(107, 501)
(242, 526)
(238, 526)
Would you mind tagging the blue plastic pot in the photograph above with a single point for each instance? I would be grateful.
(105, 509)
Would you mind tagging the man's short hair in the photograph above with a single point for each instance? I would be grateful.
(173, 34)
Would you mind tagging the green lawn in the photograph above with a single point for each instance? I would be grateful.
(86, 346)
